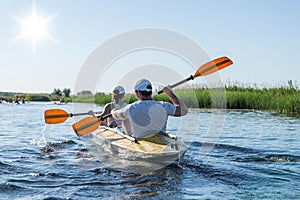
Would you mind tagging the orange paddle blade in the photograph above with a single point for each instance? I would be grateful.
(55, 116)
(213, 66)
(86, 126)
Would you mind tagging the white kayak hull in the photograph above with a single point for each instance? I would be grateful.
(158, 148)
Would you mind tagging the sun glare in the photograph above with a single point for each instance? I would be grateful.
(34, 28)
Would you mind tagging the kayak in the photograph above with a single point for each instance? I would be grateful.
(60, 103)
(157, 148)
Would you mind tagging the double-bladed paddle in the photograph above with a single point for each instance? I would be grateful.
(206, 69)
(90, 124)
(57, 116)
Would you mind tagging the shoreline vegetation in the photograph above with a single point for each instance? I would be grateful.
(283, 99)
(56, 95)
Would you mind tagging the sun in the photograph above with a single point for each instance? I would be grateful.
(34, 28)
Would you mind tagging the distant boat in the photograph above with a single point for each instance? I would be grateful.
(60, 102)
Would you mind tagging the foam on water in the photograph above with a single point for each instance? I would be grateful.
(45, 138)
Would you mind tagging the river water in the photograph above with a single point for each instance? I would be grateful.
(255, 156)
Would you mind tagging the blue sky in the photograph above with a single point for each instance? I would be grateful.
(262, 37)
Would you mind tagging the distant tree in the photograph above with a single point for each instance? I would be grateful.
(67, 92)
(84, 93)
(57, 92)
(100, 93)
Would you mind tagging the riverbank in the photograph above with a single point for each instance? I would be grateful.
(11, 96)
(285, 100)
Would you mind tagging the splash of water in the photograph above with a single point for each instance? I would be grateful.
(45, 139)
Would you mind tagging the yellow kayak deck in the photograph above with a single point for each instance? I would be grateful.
(157, 148)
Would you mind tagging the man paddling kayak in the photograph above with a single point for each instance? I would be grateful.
(146, 116)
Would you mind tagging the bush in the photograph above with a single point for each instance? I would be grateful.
(38, 97)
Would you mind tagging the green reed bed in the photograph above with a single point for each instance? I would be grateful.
(284, 99)
(281, 100)
(100, 98)
(84, 99)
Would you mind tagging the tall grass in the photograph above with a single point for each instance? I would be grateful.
(101, 98)
(84, 99)
(283, 99)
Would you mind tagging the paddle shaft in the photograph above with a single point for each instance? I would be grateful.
(78, 114)
(178, 83)
(105, 116)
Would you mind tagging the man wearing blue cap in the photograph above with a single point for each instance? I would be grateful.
(146, 116)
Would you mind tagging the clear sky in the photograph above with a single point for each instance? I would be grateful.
(262, 37)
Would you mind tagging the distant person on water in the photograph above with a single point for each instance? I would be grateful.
(118, 94)
(146, 116)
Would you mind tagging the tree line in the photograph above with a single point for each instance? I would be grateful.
(66, 92)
